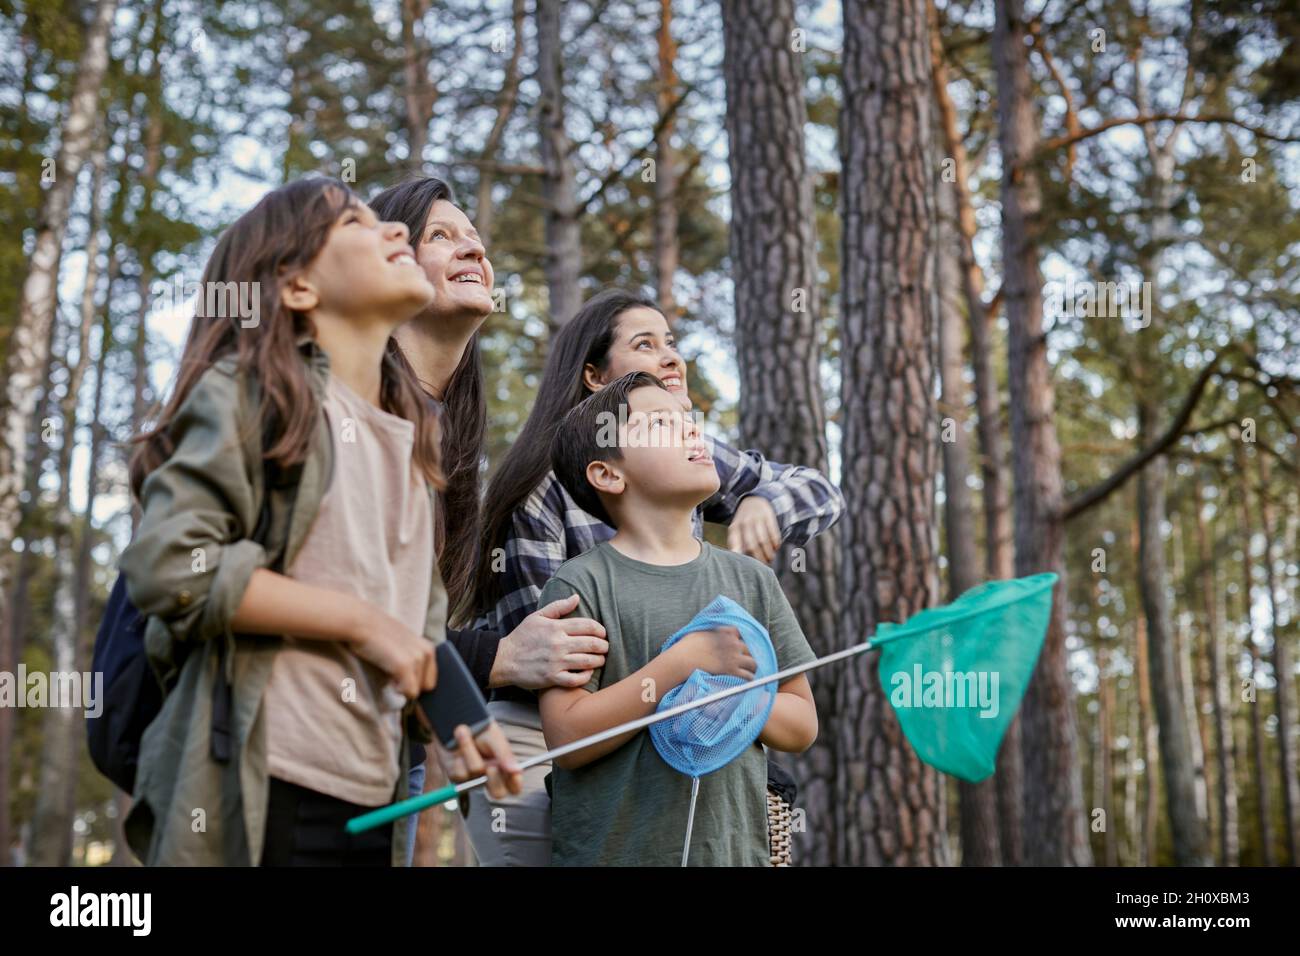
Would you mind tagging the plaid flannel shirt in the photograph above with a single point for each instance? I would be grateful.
(550, 527)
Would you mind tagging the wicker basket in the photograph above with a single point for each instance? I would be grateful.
(778, 829)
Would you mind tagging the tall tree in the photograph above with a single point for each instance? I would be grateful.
(419, 93)
(1191, 843)
(1282, 673)
(995, 498)
(778, 324)
(559, 190)
(1105, 798)
(978, 801)
(1258, 749)
(507, 97)
(667, 248)
(888, 804)
(1220, 690)
(1148, 732)
(52, 826)
(28, 348)
(1054, 819)
(1190, 840)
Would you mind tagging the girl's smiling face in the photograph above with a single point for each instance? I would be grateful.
(365, 269)
(455, 262)
(642, 342)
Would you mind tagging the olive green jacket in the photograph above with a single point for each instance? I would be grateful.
(186, 571)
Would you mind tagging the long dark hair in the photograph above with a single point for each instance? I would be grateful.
(464, 422)
(584, 340)
(263, 250)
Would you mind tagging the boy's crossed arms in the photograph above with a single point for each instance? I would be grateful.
(569, 714)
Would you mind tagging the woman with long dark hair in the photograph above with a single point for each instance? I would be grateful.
(539, 649)
(531, 526)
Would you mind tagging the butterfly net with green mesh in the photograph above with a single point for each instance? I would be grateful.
(955, 674)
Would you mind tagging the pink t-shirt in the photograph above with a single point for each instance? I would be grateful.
(329, 724)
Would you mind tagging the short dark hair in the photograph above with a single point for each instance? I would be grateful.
(576, 443)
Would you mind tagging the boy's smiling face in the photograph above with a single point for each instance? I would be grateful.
(665, 458)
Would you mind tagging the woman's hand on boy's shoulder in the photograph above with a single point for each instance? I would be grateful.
(548, 649)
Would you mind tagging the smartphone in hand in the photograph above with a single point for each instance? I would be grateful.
(455, 701)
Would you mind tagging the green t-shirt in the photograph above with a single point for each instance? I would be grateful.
(629, 808)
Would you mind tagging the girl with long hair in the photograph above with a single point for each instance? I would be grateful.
(284, 558)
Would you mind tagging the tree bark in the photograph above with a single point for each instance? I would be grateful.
(667, 250)
(1190, 842)
(559, 190)
(1132, 827)
(1184, 654)
(27, 348)
(1009, 779)
(62, 726)
(1224, 747)
(14, 627)
(1282, 674)
(888, 804)
(778, 335)
(418, 95)
(1054, 830)
(1258, 751)
(1105, 798)
(1148, 734)
(506, 99)
(978, 801)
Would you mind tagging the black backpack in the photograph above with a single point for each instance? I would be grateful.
(133, 693)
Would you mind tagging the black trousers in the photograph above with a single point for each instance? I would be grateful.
(305, 828)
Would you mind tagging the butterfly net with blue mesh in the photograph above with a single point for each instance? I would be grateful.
(703, 740)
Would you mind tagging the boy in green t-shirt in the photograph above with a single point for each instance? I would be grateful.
(630, 456)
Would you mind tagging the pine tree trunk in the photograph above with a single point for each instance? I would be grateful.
(1258, 750)
(1190, 842)
(1184, 653)
(559, 190)
(778, 336)
(1225, 750)
(666, 247)
(1105, 748)
(506, 99)
(27, 348)
(1147, 733)
(62, 726)
(1282, 674)
(887, 803)
(14, 627)
(999, 562)
(1054, 827)
(38, 453)
(978, 801)
(417, 94)
(1132, 827)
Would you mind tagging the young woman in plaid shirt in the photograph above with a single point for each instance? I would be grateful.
(531, 526)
